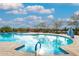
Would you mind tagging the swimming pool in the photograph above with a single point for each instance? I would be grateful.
(7, 37)
(50, 44)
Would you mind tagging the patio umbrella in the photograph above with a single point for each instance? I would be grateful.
(70, 32)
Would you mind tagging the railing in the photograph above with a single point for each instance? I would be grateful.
(36, 47)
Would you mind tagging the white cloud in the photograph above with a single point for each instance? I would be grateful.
(0, 19)
(33, 17)
(7, 6)
(26, 10)
(50, 17)
(40, 9)
(34, 8)
(18, 11)
(76, 13)
(19, 19)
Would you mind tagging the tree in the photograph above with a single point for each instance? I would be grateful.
(6, 29)
(74, 22)
(57, 25)
(41, 25)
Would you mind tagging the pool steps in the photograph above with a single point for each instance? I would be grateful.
(20, 47)
(65, 52)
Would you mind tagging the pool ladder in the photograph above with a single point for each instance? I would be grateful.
(36, 47)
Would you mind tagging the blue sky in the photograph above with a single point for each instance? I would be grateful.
(62, 10)
(31, 13)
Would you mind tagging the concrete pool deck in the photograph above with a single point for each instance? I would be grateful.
(8, 48)
(73, 48)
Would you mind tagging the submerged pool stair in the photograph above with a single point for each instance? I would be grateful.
(20, 47)
(65, 52)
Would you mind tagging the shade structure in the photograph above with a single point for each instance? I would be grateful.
(70, 32)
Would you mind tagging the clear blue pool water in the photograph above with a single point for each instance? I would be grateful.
(50, 44)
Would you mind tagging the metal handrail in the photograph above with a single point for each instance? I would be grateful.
(38, 43)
